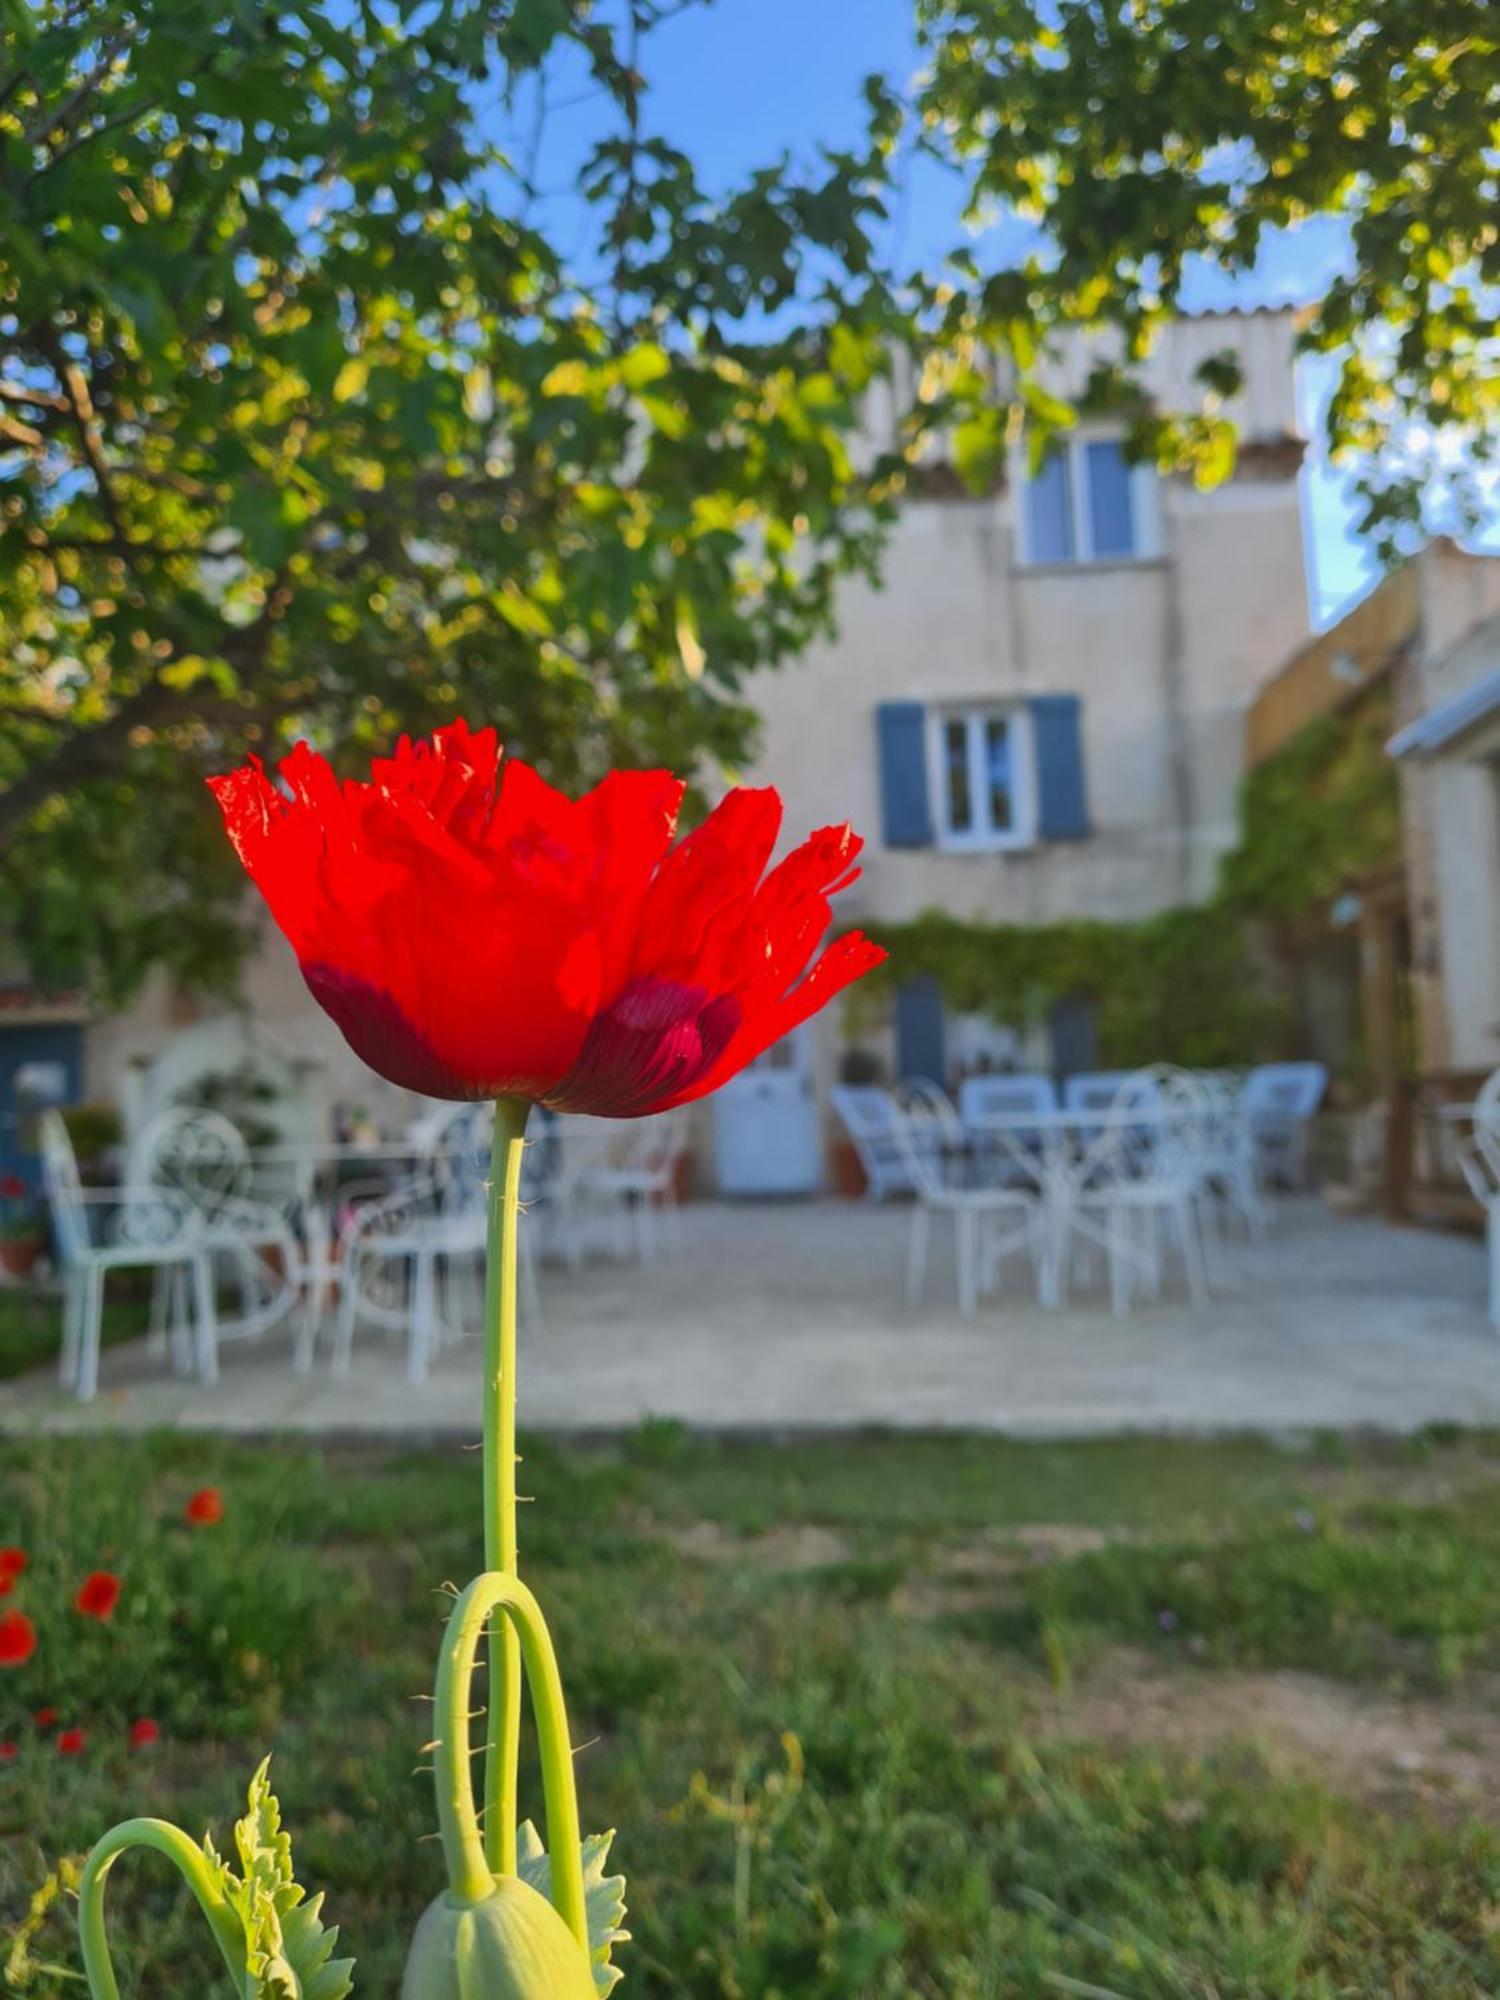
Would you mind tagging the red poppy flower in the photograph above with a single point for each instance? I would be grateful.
(9, 1750)
(98, 1595)
(205, 1507)
(144, 1733)
(71, 1741)
(17, 1639)
(475, 933)
(12, 1187)
(12, 1562)
(45, 1717)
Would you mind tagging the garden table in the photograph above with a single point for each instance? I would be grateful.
(1088, 1167)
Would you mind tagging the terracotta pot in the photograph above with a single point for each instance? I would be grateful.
(848, 1176)
(18, 1254)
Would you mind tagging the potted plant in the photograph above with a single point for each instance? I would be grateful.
(20, 1228)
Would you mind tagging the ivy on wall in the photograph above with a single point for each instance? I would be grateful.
(1324, 809)
(1182, 987)
(1195, 985)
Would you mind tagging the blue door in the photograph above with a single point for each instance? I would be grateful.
(39, 1067)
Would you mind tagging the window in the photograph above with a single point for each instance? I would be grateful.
(1088, 505)
(985, 784)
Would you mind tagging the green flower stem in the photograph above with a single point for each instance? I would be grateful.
(469, 1874)
(191, 1863)
(503, 1750)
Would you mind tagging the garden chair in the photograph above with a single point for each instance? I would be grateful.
(99, 1230)
(640, 1179)
(876, 1126)
(1279, 1100)
(1479, 1158)
(411, 1260)
(943, 1178)
(199, 1157)
(1008, 1095)
(1143, 1183)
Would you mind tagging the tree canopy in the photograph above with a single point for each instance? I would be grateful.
(1139, 137)
(308, 425)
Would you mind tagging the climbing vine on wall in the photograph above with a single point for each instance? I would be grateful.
(1324, 809)
(1192, 985)
(1183, 987)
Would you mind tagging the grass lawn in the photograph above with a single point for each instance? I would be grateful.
(31, 1322)
(882, 1718)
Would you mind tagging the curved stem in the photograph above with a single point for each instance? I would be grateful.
(469, 1874)
(191, 1863)
(503, 1746)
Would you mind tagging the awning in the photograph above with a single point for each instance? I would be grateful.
(1444, 724)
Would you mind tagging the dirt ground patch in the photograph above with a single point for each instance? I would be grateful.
(1392, 1750)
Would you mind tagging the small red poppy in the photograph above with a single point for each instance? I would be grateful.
(12, 1562)
(12, 1187)
(98, 1595)
(9, 1750)
(7, 1584)
(70, 1742)
(475, 933)
(45, 1717)
(205, 1508)
(144, 1733)
(17, 1639)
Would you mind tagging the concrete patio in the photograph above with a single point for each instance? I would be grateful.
(794, 1316)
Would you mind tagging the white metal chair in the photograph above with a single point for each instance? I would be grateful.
(640, 1179)
(875, 1124)
(99, 1230)
(1009, 1095)
(199, 1157)
(1279, 1099)
(1479, 1157)
(401, 1254)
(1144, 1180)
(943, 1179)
(1233, 1173)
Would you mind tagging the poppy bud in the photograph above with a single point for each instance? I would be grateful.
(512, 1946)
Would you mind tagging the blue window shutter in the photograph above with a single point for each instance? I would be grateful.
(906, 815)
(1075, 1041)
(1062, 797)
(919, 1030)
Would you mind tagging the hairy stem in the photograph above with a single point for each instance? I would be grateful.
(503, 1746)
(190, 1862)
(468, 1870)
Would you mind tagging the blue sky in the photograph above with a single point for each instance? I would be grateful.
(737, 82)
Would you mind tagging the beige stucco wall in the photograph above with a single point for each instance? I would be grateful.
(1164, 655)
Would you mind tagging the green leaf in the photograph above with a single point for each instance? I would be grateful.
(351, 379)
(604, 1897)
(288, 1950)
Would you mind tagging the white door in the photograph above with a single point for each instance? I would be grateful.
(766, 1123)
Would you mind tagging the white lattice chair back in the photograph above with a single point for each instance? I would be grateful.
(197, 1154)
(64, 1188)
(1179, 1134)
(928, 1106)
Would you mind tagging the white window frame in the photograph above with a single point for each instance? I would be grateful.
(976, 715)
(1145, 506)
